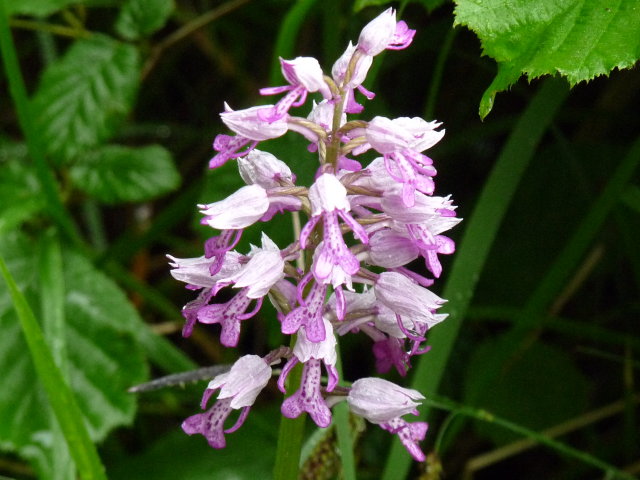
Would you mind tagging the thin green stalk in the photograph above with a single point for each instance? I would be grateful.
(559, 447)
(19, 94)
(60, 396)
(482, 228)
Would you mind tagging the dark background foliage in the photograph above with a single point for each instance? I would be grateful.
(563, 272)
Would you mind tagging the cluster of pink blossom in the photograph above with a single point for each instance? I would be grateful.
(365, 287)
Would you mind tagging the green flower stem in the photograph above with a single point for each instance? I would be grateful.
(19, 94)
(60, 397)
(559, 447)
(481, 230)
(290, 436)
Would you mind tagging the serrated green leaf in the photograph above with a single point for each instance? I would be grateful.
(140, 18)
(577, 39)
(38, 8)
(20, 197)
(115, 173)
(103, 358)
(49, 454)
(538, 389)
(83, 97)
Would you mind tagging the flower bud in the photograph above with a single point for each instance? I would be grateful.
(381, 401)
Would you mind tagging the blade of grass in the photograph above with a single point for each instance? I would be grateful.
(52, 292)
(482, 228)
(18, 92)
(286, 41)
(52, 312)
(60, 397)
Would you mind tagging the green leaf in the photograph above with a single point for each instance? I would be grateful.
(20, 198)
(83, 98)
(140, 18)
(539, 388)
(60, 397)
(103, 359)
(49, 454)
(38, 8)
(577, 39)
(116, 173)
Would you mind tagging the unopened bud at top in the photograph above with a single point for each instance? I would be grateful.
(378, 33)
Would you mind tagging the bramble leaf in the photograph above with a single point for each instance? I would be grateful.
(115, 173)
(577, 39)
(140, 18)
(103, 357)
(83, 98)
(19, 188)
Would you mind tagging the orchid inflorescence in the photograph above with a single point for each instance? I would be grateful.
(388, 207)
